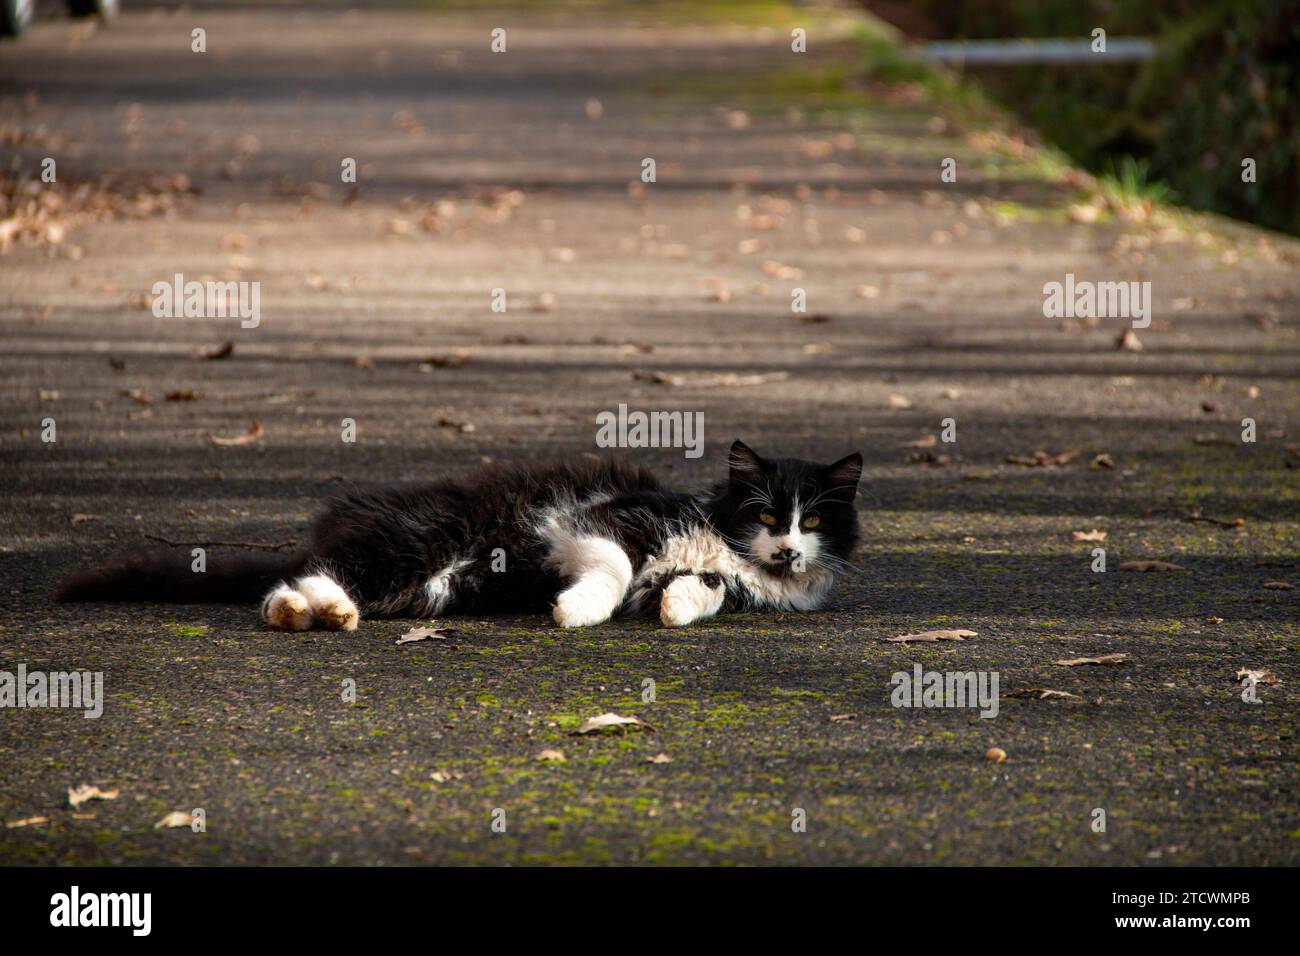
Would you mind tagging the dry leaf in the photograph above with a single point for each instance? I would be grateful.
(442, 776)
(930, 637)
(224, 350)
(1150, 566)
(1128, 341)
(925, 441)
(837, 718)
(183, 395)
(1093, 535)
(901, 402)
(1041, 459)
(553, 755)
(177, 818)
(659, 758)
(83, 792)
(450, 360)
(1261, 676)
(254, 434)
(995, 754)
(606, 721)
(28, 822)
(1104, 660)
(722, 380)
(80, 518)
(1278, 585)
(1043, 693)
(424, 634)
(456, 424)
(928, 458)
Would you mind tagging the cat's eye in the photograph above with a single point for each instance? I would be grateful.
(767, 517)
(811, 521)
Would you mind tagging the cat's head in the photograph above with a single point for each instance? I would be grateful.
(791, 516)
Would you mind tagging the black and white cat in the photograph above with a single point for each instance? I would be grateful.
(587, 540)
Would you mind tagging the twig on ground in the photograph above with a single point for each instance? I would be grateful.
(255, 545)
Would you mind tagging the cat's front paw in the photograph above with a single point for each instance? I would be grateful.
(687, 599)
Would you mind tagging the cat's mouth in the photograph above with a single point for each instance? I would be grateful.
(783, 567)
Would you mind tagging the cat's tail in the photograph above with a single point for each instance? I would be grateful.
(171, 576)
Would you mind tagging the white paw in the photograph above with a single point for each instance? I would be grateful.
(578, 607)
(686, 600)
(286, 610)
(330, 605)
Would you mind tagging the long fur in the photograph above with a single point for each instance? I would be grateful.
(523, 538)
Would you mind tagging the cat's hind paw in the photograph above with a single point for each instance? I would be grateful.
(286, 610)
(330, 605)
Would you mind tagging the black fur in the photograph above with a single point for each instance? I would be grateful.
(383, 545)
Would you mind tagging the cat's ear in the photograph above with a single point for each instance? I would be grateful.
(842, 477)
(744, 462)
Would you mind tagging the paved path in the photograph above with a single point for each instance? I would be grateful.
(520, 171)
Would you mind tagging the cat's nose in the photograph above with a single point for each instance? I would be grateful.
(789, 555)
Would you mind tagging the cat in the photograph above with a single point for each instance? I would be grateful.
(587, 540)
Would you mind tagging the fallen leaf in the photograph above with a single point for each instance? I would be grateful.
(553, 755)
(1128, 341)
(177, 818)
(1041, 459)
(1093, 535)
(928, 458)
(183, 395)
(442, 776)
(606, 721)
(28, 822)
(1043, 693)
(995, 754)
(456, 424)
(1278, 585)
(224, 350)
(836, 718)
(83, 792)
(930, 637)
(721, 380)
(449, 360)
(925, 441)
(1261, 676)
(901, 402)
(659, 758)
(424, 634)
(1104, 660)
(254, 434)
(1103, 461)
(80, 518)
(1150, 566)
